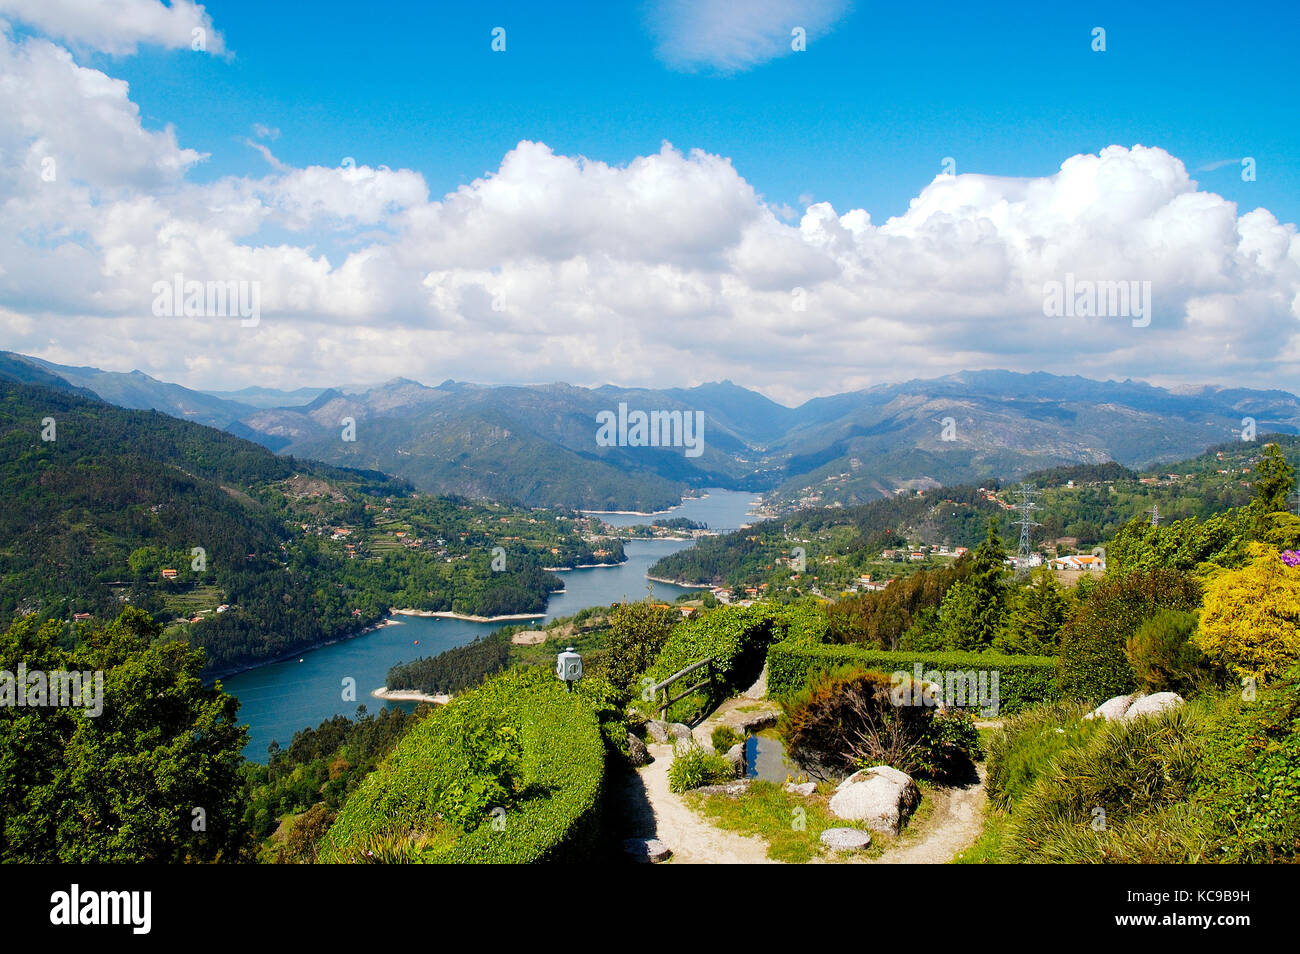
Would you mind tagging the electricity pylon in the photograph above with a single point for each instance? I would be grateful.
(1027, 523)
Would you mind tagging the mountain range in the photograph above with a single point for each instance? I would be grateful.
(536, 444)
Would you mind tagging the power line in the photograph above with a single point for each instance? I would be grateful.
(1027, 523)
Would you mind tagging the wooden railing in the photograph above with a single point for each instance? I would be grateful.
(709, 680)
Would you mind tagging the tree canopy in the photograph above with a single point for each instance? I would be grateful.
(152, 777)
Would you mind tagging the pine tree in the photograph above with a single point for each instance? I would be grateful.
(1274, 480)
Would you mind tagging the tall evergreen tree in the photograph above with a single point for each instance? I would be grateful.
(1274, 480)
(974, 608)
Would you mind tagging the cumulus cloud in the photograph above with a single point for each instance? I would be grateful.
(81, 121)
(118, 26)
(729, 37)
(669, 270)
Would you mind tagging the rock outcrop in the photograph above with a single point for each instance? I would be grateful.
(882, 797)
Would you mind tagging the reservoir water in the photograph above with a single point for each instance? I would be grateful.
(279, 699)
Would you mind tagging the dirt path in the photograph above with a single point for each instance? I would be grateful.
(954, 824)
(652, 811)
(741, 713)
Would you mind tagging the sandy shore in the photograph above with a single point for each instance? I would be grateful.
(409, 695)
(689, 586)
(643, 513)
(440, 614)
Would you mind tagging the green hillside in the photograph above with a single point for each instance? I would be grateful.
(1078, 507)
(271, 554)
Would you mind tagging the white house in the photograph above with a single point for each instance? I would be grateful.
(1080, 561)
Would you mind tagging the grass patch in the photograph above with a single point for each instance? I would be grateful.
(989, 847)
(769, 811)
(543, 654)
(190, 601)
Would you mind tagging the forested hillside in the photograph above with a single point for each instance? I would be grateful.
(247, 554)
(1077, 507)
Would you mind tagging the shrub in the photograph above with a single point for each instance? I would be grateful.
(1251, 621)
(1249, 784)
(852, 718)
(804, 623)
(724, 737)
(735, 636)
(553, 813)
(1183, 545)
(954, 736)
(1094, 666)
(1023, 749)
(637, 632)
(1022, 680)
(1101, 794)
(608, 704)
(694, 766)
(1163, 657)
(300, 843)
(1281, 530)
(1038, 611)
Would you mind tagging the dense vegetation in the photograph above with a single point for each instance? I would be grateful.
(455, 669)
(510, 772)
(1212, 782)
(307, 783)
(151, 777)
(296, 553)
(1021, 682)
(1078, 508)
(1094, 663)
(850, 718)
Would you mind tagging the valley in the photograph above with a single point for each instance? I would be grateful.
(539, 446)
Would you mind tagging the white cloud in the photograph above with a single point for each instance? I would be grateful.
(729, 37)
(667, 207)
(669, 270)
(119, 26)
(81, 120)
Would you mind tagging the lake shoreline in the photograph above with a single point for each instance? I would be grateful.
(643, 513)
(686, 586)
(287, 657)
(276, 702)
(445, 614)
(365, 630)
(410, 695)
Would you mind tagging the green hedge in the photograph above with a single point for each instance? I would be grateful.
(736, 637)
(1022, 680)
(554, 817)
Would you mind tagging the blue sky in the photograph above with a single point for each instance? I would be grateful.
(516, 217)
(862, 118)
